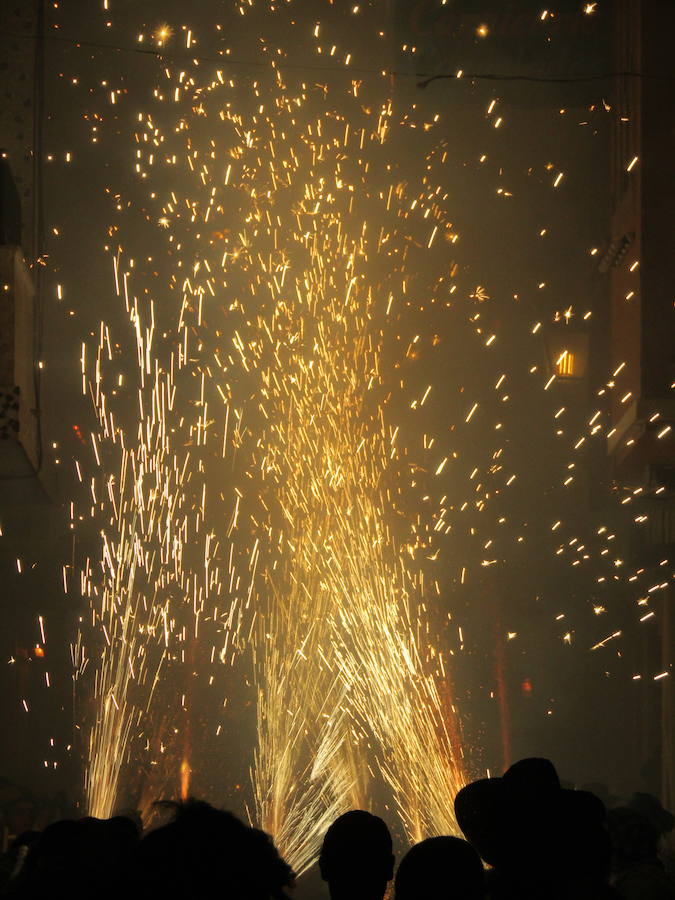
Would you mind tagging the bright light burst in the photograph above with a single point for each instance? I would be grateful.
(266, 489)
(291, 235)
(341, 595)
(150, 531)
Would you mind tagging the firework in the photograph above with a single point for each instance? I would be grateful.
(274, 480)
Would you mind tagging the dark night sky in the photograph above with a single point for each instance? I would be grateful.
(499, 207)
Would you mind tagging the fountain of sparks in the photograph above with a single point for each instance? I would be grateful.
(334, 604)
(261, 494)
(343, 593)
(152, 529)
(269, 489)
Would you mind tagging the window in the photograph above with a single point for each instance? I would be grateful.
(565, 365)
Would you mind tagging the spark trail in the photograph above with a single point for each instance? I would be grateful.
(294, 212)
(141, 556)
(300, 225)
(338, 640)
(158, 568)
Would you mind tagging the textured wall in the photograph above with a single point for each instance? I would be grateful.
(19, 20)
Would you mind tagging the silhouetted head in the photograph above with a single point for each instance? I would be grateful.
(532, 830)
(206, 852)
(650, 807)
(356, 857)
(133, 815)
(50, 856)
(88, 857)
(533, 775)
(555, 829)
(20, 814)
(634, 838)
(602, 792)
(440, 868)
(121, 837)
(481, 809)
(581, 836)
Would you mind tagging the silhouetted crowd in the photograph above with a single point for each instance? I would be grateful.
(526, 837)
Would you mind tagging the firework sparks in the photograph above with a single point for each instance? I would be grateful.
(338, 625)
(273, 482)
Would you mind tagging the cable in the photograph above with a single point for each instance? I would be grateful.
(38, 215)
(552, 79)
(426, 77)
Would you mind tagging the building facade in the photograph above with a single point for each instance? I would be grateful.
(637, 263)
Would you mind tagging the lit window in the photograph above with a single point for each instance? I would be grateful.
(565, 364)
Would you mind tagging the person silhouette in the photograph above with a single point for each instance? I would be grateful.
(440, 868)
(356, 857)
(206, 852)
(637, 871)
(542, 840)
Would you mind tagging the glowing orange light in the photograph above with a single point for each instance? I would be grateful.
(185, 773)
(162, 34)
(565, 364)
